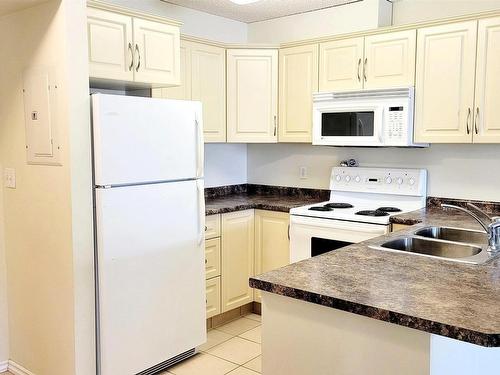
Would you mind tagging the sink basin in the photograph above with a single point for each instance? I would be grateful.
(453, 234)
(432, 247)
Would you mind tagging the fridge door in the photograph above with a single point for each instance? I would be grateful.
(139, 140)
(151, 276)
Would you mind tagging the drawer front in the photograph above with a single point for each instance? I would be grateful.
(212, 226)
(213, 297)
(212, 258)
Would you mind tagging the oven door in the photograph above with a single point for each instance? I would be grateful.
(311, 236)
(348, 124)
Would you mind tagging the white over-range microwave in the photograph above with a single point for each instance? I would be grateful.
(371, 118)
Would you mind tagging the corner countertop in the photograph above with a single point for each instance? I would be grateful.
(260, 197)
(456, 300)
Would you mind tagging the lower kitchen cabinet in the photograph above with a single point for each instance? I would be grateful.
(237, 258)
(272, 243)
(212, 258)
(398, 227)
(213, 297)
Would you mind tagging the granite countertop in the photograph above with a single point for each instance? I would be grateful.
(457, 300)
(261, 197)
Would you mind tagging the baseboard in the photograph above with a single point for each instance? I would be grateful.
(4, 366)
(16, 369)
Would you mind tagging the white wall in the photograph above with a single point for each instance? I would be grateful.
(4, 328)
(196, 23)
(410, 11)
(455, 171)
(225, 164)
(47, 228)
(363, 15)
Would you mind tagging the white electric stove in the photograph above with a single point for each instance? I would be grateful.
(362, 200)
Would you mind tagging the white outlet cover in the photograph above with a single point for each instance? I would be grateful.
(303, 173)
(9, 178)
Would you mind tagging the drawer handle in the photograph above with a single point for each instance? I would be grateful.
(206, 261)
(206, 228)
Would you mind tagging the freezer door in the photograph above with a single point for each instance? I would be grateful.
(140, 140)
(151, 277)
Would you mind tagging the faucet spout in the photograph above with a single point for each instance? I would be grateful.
(492, 227)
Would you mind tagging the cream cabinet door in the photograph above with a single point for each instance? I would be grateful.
(213, 301)
(298, 67)
(237, 258)
(340, 65)
(157, 53)
(110, 45)
(272, 243)
(487, 121)
(390, 60)
(252, 95)
(183, 91)
(444, 88)
(208, 82)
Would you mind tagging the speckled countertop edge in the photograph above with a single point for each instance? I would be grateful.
(446, 324)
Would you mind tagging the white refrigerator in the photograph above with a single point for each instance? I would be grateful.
(149, 221)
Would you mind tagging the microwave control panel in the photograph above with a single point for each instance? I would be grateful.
(396, 124)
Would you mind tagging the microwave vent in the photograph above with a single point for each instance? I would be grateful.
(406, 92)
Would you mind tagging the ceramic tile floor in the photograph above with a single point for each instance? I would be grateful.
(232, 349)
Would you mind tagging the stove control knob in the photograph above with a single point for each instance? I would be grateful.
(400, 181)
(357, 179)
(411, 181)
(388, 180)
(338, 177)
(347, 178)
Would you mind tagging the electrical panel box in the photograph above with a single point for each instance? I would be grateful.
(40, 114)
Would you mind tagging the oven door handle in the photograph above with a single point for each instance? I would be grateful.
(351, 226)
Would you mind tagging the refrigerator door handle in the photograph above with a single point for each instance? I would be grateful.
(199, 145)
(201, 211)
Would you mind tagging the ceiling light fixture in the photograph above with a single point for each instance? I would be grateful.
(243, 2)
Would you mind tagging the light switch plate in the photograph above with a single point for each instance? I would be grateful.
(9, 178)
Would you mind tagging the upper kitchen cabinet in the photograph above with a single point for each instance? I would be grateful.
(208, 84)
(487, 100)
(298, 67)
(129, 49)
(340, 65)
(446, 56)
(252, 95)
(390, 60)
(372, 62)
(110, 45)
(203, 78)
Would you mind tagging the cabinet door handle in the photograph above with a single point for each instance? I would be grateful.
(476, 121)
(359, 66)
(468, 120)
(288, 232)
(131, 57)
(139, 58)
(364, 68)
(275, 125)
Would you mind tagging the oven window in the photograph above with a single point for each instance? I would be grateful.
(322, 245)
(347, 124)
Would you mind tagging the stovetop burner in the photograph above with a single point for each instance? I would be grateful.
(339, 205)
(320, 208)
(389, 209)
(374, 213)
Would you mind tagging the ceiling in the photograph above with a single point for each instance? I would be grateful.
(10, 6)
(260, 10)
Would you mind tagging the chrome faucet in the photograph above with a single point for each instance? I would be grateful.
(491, 225)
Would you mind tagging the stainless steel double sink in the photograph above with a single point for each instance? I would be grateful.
(453, 244)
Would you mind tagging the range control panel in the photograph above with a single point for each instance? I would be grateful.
(379, 180)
